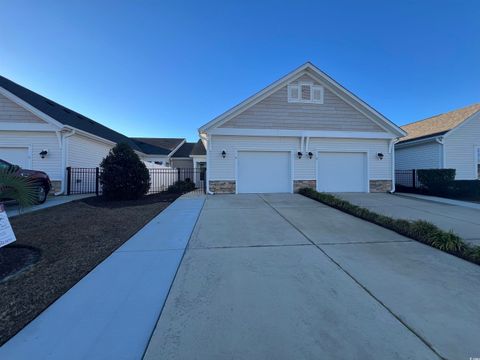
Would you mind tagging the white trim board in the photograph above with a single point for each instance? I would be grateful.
(302, 133)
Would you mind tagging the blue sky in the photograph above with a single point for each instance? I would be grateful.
(163, 69)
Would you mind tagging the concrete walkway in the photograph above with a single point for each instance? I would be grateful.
(14, 210)
(463, 221)
(441, 200)
(111, 312)
(285, 277)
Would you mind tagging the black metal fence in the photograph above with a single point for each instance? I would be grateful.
(407, 178)
(87, 180)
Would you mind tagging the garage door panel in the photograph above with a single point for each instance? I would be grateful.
(263, 172)
(16, 156)
(342, 172)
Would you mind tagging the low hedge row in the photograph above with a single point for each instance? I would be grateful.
(419, 230)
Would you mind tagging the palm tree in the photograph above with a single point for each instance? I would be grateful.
(16, 187)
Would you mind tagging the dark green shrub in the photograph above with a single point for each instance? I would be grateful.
(419, 230)
(123, 175)
(435, 180)
(181, 186)
(464, 189)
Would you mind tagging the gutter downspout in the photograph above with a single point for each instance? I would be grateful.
(441, 141)
(64, 161)
(391, 150)
(207, 177)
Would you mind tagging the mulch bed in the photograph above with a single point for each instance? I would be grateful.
(58, 246)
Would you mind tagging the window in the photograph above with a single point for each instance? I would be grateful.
(305, 93)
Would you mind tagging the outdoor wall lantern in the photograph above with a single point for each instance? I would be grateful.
(299, 154)
(43, 153)
(380, 156)
(224, 154)
(310, 154)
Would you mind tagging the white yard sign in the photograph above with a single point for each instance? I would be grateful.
(6, 232)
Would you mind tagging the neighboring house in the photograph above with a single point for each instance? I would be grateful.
(40, 134)
(159, 150)
(446, 141)
(303, 130)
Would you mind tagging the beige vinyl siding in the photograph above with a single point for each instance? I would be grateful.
(37, 141)
(305, 168)
(275, 112)
(420, 156)
(460, 149)
(181, 163)
(85, 152)
(11, 112)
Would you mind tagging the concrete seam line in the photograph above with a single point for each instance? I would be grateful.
(246, 246)
(430, 346)
(173, 280)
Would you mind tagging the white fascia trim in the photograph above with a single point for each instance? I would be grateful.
(198, 156)
(176, 148)
(302, 133)
(91, 136)
(16, 126)
(30, 108)
(332, 85)
(474, 116)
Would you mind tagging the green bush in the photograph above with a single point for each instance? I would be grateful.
(123, 175)
(181, 187)
(419, 230)
(435, 180)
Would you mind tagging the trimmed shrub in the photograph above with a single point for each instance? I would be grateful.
(181, 187)
(123, 175)
(464, 189)
(419, 230)
(435, 180)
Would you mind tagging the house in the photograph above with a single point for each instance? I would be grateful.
(303, 130)
(159, 150)
(40, 134)
(445, 141)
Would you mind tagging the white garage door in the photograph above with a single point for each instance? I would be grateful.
(342, 172)
(16, 156)
(263, 172)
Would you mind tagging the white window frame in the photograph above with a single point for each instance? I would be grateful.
(299, 92)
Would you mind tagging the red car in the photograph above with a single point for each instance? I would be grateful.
(41, 179)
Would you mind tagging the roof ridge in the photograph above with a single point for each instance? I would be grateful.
(441, 114)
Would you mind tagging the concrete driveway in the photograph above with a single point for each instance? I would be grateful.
(464, 221)
(284, 277)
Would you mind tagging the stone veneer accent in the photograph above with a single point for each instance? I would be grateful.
(298, 184)
(56, 186)
(380, 185)
(222, 186)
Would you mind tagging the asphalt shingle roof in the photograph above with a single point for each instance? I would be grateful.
(158, 146)
(438, 124)
(184, 151)
(199, 149)
(65, 115)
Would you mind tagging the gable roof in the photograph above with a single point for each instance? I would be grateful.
(199, 149)
(158, 146)
(438, 124)
(65, 115)
(184, 151)
(327, 81)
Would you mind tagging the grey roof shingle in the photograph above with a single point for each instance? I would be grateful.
(65, 115)
(158, 146)
(184, 151)
(199, 149)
